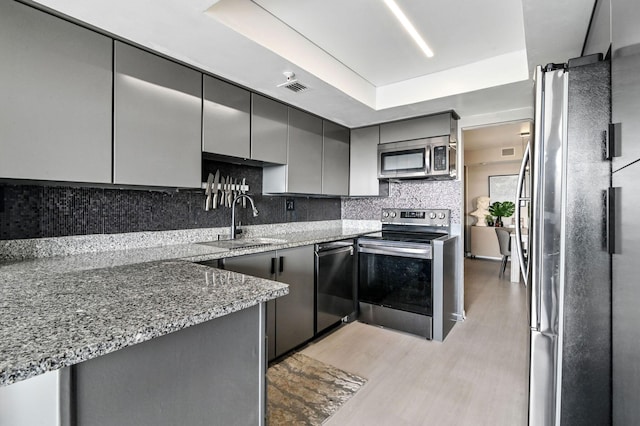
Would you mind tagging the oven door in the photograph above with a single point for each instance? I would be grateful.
(396, 275)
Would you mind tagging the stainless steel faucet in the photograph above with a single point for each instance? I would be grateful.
(233, 212)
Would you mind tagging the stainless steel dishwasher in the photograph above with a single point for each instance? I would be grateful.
(335, 283)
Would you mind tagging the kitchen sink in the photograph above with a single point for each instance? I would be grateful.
(243, 243)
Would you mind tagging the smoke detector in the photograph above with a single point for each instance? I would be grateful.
(292, 83)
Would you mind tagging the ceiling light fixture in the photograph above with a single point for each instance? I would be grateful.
(391, 4)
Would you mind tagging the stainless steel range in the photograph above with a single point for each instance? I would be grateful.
(407, 273)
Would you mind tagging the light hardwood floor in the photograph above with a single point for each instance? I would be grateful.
(477, 376)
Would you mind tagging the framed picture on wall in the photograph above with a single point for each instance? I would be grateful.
(503, 188)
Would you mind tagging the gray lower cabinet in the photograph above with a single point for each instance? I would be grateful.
(225, 118)
(261, 265)
(335, 159)
(290, 319)
(363, 162)
(55, 108)
(210, 373)
(295, 311)
(157, 120)
(269, 130)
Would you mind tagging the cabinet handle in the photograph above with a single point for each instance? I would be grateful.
(281, 264)
(273, 265)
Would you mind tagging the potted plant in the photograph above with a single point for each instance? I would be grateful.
(502, 209)
(489, 219)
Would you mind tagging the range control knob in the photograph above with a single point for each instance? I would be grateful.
(393, 214)
(432, 215)
(385, 214)
(441, 215)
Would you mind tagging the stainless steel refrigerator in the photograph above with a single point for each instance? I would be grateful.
(569, 266)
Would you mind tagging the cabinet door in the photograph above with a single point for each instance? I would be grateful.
(416, 128)
(304, 166)
(210, 373)
(55, 108)
(225, 118)
(335, 160)
(295, 311)
(259, 265)
(363, 162)
(157, 120)
(269, 121)
(625, 109)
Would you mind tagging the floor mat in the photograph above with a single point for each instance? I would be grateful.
(304, 391)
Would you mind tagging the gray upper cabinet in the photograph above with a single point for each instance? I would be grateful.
(305, 153)
(55, 108)
(363, 162)
(335, 159)
(225, 118)
(303, 172)
(269, 130)
(157, 120)
(417, 128)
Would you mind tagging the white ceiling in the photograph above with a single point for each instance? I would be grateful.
(364, 36)
(359, 65)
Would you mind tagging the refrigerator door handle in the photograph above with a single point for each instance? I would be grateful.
(533, 286)
(614, 143)
(524, 269)
(613, 199)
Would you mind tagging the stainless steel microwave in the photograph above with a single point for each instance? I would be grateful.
(420, 158)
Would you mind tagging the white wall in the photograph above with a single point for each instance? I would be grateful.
(478, 182)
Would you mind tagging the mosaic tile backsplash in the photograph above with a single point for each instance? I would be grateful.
(36, 211)
(418, 194)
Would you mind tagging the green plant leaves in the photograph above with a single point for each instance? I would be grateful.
(502, 209)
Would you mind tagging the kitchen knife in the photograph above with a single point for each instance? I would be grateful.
(207, 191)
(242, 191)
(234, 192)
(228, 191)
(223, 188)
(216, 180)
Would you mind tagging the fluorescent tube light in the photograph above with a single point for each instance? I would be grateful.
(408, 26)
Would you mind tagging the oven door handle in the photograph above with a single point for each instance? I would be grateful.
(418, 253)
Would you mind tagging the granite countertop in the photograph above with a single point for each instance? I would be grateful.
(60, 311)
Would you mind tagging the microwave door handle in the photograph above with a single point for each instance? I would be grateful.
(427, 160)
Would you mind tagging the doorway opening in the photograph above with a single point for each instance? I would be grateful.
(492, 158)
